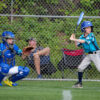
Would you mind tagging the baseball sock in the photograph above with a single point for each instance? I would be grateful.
(80, 75)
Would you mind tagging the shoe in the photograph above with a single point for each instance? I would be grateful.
(0, 84)
(14, 84)
(8, 82)
(39, 76)
(77, 85)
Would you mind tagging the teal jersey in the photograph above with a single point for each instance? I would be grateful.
(90, 44)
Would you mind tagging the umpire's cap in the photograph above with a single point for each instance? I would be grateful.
(31, 38)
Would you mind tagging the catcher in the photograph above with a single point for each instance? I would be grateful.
(38, 56)
(10, 73)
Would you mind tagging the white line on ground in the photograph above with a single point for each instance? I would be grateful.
(60, 79)
(67, 95)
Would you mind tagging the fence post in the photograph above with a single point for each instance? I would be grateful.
(12, 11)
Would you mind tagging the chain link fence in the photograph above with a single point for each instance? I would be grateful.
(51, 22)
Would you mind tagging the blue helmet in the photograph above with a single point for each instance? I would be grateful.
(6, 35)
(86, 24)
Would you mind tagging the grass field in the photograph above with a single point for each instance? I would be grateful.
(50, 90)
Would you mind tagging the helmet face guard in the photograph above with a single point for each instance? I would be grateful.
(86, 24)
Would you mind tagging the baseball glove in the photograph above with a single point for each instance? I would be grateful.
(27, 50)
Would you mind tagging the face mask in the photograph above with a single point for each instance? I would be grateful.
(11, 48)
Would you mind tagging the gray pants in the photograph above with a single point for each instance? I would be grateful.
(95, 58)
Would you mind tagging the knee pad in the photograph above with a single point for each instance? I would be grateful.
(4, 68)
(23, 71)
(26, 71)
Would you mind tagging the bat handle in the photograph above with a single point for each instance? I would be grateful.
(75, 29)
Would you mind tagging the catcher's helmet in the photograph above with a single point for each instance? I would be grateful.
(86, 24)
(6, 35)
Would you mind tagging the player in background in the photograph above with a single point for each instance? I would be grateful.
(9, 72)
(88, 41)
(39, 56)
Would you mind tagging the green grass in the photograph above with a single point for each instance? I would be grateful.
(49, 90)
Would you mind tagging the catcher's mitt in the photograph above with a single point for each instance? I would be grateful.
(27, 50)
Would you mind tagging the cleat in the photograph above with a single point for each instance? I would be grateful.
(8, 82)
(0, 84)
(14, 84)
(77, 85)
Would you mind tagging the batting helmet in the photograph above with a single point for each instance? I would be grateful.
(86, 24)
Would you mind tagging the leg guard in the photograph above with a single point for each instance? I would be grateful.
(4, 69)
(22, 73)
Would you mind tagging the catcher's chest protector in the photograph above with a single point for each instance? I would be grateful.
(7, 56)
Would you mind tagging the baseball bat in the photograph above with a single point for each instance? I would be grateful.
(79, 20)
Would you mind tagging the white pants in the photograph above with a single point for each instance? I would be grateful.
(12, 71)
(95, 58)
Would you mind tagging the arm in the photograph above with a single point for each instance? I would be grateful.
(76, 40)
(43, 51)
(17, 50)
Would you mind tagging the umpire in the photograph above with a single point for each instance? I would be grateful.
(90, 46)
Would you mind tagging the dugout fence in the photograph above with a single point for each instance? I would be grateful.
(50, 30)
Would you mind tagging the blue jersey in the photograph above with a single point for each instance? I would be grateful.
(90, 44)
(7, 56)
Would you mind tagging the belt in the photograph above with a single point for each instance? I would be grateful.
(92, 52)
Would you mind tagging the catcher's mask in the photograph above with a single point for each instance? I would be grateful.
(31, 39)
(6, 35)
